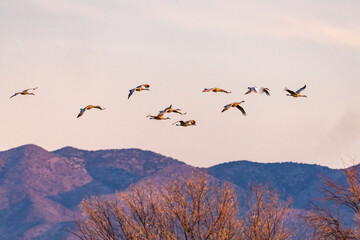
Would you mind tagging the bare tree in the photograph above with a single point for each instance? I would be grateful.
(339, 200)
(183, 209)
(267, 216)
(190, 209)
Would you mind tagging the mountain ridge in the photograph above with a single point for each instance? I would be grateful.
(43, 189)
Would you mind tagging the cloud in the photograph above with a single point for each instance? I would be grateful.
(215, 17)
(229, 19)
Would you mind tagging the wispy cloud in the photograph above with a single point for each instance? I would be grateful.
(216, 17)
(225, 18)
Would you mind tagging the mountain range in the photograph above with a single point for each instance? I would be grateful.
(40, 191)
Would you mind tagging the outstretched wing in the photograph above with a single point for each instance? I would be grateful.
(301, 89)
(265, 90)
(161, 113)
(30, 89)
(178, 111)
(131, 91)
(207, 89)
(249, 91)
(98, 107)
(82, 110)
(226, 107)
(180, 121)
(15, 94)
(166, 109)
(241, 109)
(222, 90)
(291, 92)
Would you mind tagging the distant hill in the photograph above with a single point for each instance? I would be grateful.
(299, 181)
(40, 191)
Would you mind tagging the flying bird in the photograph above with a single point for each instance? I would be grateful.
(297, 93)
(215, 90)
(265, 90)
(170, 109)
(82, 110)
(160, 116)
(25, 92)
(139, 88)
(185, 123)
(235, 104)
(252, 89)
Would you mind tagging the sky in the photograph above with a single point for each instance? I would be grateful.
(81, 52)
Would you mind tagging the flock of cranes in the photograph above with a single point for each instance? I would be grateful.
(170, 109)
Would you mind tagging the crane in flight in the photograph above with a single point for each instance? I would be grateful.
(24, 92)
(297, 93)
(215, 90)
(235, 104)
(138, 89)
(88, 107)
(252, 89)
(185, 123)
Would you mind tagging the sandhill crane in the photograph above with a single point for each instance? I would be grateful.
(185, 123)
(215, 90)
(139, 88)
(235, 104)
(82, 110)
(252, 89)
(297, 93)
(160, 116)
(25, 92)
(265, 90)
(170, 109)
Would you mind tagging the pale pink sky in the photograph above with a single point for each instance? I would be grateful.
(92, 52)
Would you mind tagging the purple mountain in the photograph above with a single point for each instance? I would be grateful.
(40, 191)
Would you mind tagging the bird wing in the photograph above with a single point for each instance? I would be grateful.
(265, 90)
(177, 122)
(249, 91)
(167, 109)
(30, 89)
(290, 91)
(82, 110)
(15, 94)
(131, 91)
(222, 90)
(162, 112)
(178, 111)
(145, 85)
(301, 89)
(226, 107)
(98, 107)
(241, 109)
